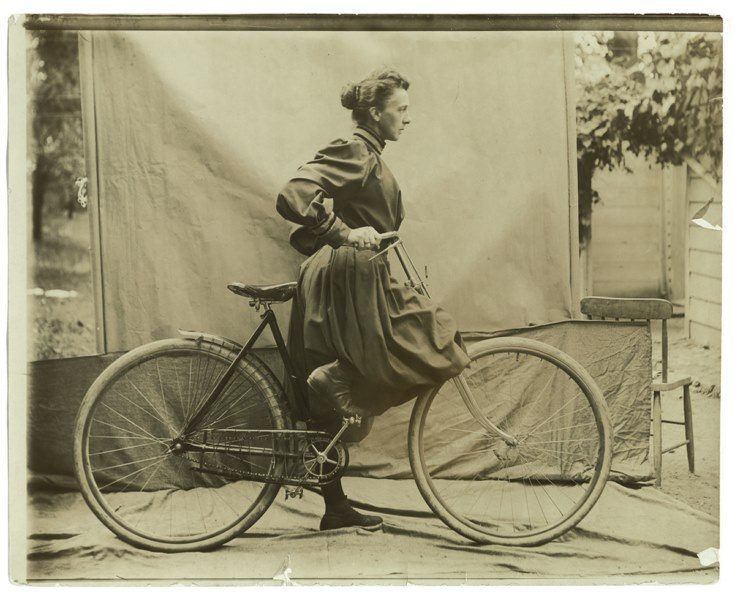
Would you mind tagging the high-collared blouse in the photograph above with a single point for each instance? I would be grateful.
(346, 186)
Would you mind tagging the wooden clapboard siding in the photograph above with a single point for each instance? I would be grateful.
(704, 312)
(644, 243)
(613, 214)
(705, 335)
(714, 212)
(699, 190)
(706, 263)
(705, 287)
(626, 249)
(705, 239)
(623, 288)
(626, 233)
(627, 254)
(703, 265)
(675, 230)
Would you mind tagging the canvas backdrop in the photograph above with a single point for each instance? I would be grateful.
(190, 136)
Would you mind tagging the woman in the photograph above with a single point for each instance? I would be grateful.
(366, 341)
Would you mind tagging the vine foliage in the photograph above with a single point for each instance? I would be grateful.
(656, 94)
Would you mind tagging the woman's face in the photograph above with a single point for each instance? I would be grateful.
(392, 120)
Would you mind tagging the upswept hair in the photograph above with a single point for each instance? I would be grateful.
(373, 90)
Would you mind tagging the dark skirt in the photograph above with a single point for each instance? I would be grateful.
(397, 342)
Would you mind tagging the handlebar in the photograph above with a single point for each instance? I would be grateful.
(412, 273)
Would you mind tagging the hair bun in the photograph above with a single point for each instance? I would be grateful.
(350, 96)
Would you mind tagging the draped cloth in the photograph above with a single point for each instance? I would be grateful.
(189, 155)
(349, 307)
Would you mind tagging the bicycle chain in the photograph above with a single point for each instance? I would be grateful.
(296, 471)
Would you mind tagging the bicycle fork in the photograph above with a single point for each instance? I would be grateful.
(463, 388)
(416, 282)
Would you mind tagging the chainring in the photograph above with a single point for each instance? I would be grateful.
(321, 466)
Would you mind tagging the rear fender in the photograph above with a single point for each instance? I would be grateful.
(200, 336)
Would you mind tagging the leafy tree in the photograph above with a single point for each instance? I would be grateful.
(651, 93)
(56, 145)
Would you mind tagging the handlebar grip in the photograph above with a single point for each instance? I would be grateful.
(387, 235)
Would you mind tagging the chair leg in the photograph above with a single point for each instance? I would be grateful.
(689, 428)
(656, 423)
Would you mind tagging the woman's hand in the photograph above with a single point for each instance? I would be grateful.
(364, 237)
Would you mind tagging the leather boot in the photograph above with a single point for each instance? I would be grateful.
(332, 382)
(341, 514)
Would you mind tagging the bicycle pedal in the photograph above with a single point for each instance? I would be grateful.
(295, 492)
(352, 420)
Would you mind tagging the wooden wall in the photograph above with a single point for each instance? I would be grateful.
(703, 265)
(627, 236)
(644, 243)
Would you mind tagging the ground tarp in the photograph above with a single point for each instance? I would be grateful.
(627, 537)
(190, 136)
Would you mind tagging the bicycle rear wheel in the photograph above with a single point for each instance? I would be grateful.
(523, 493)
(145, 488)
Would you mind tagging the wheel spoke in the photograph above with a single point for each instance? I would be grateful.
(147, 436)
(124, 397)
(124, 477)
(126, 464)
(142, 429)
(124, 448)
(148, 401)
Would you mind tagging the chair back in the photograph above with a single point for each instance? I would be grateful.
(634, 309)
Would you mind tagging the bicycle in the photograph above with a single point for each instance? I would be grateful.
(182, 444)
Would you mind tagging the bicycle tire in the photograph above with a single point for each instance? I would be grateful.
(124, 407)
(512, 469)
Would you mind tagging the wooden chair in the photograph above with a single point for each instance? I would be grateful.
(649, 309)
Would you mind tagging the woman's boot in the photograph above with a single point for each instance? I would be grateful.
(338, 513)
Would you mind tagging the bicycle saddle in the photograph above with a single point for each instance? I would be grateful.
(280, 292)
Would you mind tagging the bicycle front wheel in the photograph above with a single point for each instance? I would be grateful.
(134, 469)
(535, 487)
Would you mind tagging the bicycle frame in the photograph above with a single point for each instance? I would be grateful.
(268, 319)
(219, 447)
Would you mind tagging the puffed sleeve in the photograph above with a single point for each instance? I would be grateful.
(308, 199)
